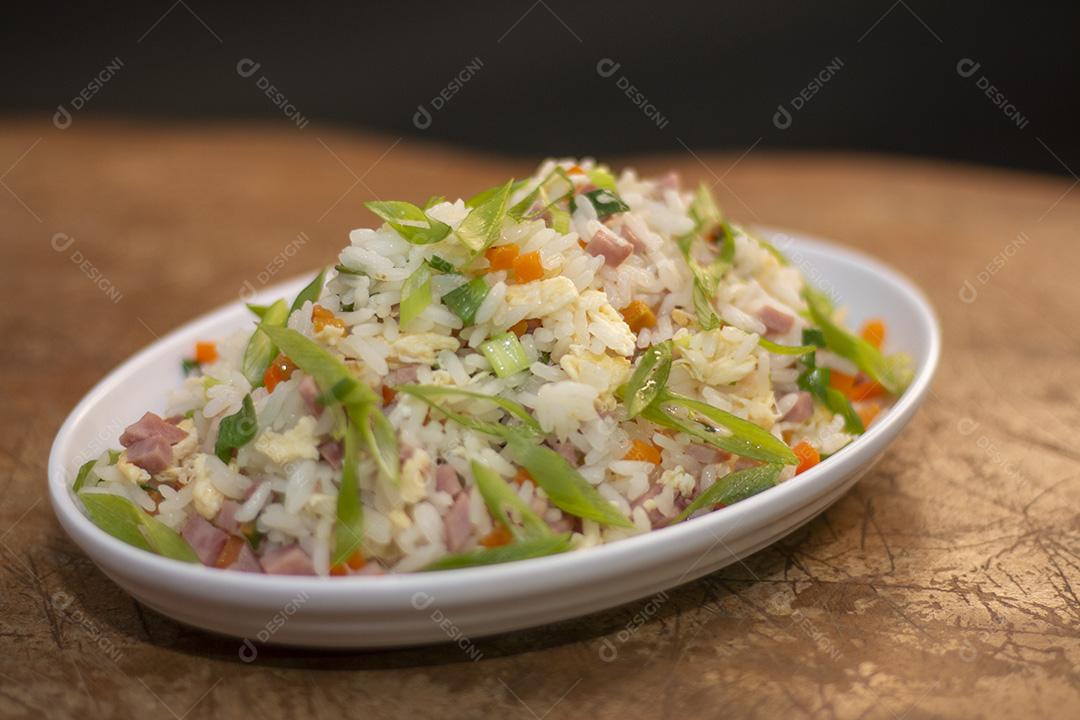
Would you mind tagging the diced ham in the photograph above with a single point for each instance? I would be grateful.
(633, 239)
(309, 391)
(706, 454)
(246, 561)
(567, 450)
(447, 480)
(287, 560)
(205, 539)
(401, 376)
(775, 320)
(151, 425)
(226, 517)
(613, 248)
(567, 523)
(457, 523)
(332, 452)
(656, 518)
(745, 463)
(801, 410)
(152, 454)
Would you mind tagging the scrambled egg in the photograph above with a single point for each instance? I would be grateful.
(679, 480)
(132, 473)
(607, 324)
(421, 347)
(206, 498)
(329, 334)
(710, 356)
(542, 296)
(185, 447)
(604, 372)
(299, 443)
(414, 472)
(399, 519)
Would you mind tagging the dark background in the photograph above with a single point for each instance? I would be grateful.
(715, 72)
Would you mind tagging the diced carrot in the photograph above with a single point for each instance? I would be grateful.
(808, 456)
(575, 170)
(582, 244)
(643, 452)
(638, 315)
(873, 332)
(520, 328)
(230, 552)
(501, 257)
(855, 387)
(281, 368)
(522, 475)
(354, 562)
(321, 317)
(205, 352)
(527, 267)
(388, 395)
(339, 570)
(867, 412)
(497, 537)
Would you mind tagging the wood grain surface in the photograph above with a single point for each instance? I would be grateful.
(944, 585)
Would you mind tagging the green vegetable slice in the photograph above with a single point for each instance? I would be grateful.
(126, 521)
(437, 263)
(564, 485)
(893, 373)
(409, 221)
(327, 370)
(236, 430)
(547, 193)
(606, 202)
(349, 528)
(778, 349)
(732, 488)
(345, 270)
(815, 380)
(520, 550)
(649, 379)
(560, 220)
(380, 437)
(602, 178)
(483, 225)
(260, 350)
(415, 294)
(499, 497)
(484, 195)
(82, 475)
(506, 354)
(310, 293)
(428, 393)
(464, 301)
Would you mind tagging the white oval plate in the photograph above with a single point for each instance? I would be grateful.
(399, 610)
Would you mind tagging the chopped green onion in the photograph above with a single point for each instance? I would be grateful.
(732, 488)
(258, 311)
(564, 486)
(114, 456)
(815, 380)
(315, 360)
(560, 220)
(260, 350)
(547, 196)
(484, 195)
(349, 528)
(82, 475)
(726, 240)
(499, 497)
(649, 379)
(464, 301)
(189, 366)
(126, 521)
(778, 349)
(419, 230)
(703, 209)
(310, 293)
(437, 263)
(520, 550)
(483, 225)
(893, 373)
(415, 294)
(236, 430)
(345, 270)
(434, 200)
(813, 336)
(381, 439)
(428, 393)
(606, 202)
(506, 355)
(602, 178)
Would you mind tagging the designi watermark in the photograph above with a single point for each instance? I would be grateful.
(62, 242)
(783, 117)
(246, 68)
(423, 117)
(969, 291)
(248, 652)
(422, 601)
(63, 117)
(64, 603)
(607, 68)
(967, 68)
(272, 268)
(609, 649)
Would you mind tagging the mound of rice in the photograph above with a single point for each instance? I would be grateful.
(587, 276)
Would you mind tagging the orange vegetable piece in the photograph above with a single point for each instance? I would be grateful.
(644, 452)
(638, 315)
(808, 456)
(497, 537)
(205, 352)
(522, 475)
(354, 562)
(575, 170)
(230, 552)
(321, 317)
(520, 328)
(388, 394)
(501, 257)
(281, 368)
(527, 267)
(855, 387)
(867, 412)
(873, 332)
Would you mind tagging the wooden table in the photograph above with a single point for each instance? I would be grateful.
(945, 584)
